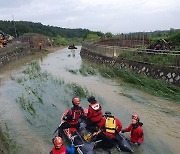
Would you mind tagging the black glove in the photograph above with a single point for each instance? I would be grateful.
(67, 117)
(83, 117)
(122, 131)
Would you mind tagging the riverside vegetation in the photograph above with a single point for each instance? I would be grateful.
(156, 87)
(36, 82)
(160, 59)
(43, 98)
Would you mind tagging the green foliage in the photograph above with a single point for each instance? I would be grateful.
(126, 54)
(23, 27)
(57, 80)
(163, 59)
(59, 40)
(108, 35)
(107, 73)
(174, 38)
(177, 48)
(87, 70)
(150, 85)
(84, 70)
(154, 86)
(33, 71)
(26, 105)
(73, 71)
(12, 146)
(78, 90)
(92, 37)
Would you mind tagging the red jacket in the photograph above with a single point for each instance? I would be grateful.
(137, 134)
(117, 128)
(73, 115)
(62, 150)
(95, 113)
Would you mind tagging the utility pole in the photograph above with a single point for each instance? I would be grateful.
(143, 39)
(14, 27)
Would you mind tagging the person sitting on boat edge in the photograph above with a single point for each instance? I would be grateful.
(94, 114)
(71, 118)
(110, 128)
(137, 134)
(60, 148)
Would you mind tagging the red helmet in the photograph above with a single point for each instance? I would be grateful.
(76, 101)
(135, 117)
(58, 142)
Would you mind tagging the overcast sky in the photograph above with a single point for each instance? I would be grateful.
(116, 16)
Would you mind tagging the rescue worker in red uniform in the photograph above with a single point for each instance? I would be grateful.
(72, 116)
(110, 128)
(137, 134)
(94, 114)
(59, 147)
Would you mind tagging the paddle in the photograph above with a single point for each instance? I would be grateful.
(58, 127)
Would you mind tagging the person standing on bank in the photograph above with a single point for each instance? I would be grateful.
(40, 45)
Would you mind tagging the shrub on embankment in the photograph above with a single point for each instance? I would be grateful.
(161, 59)
(116, 69)
(7, 144)
(172, 37)
(154, 86)
(13, 52)
(24, 45)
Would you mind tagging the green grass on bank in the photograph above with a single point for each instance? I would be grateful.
(8, 140)
(164, 59)
(156, 87)
(36, 83)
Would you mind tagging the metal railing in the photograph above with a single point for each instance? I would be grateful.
(111, 51)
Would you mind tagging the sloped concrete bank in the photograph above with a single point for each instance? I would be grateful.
(169, 74)
(7, 55)
(11, 53)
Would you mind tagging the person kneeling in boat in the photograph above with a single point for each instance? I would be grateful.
(72, 116)
(94, 115)
(110, 128)
(137, 134)
(60, 148)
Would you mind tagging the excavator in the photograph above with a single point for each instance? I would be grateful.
(3, 40)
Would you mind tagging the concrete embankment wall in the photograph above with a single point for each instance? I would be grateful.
(11, 53)
(169, 74)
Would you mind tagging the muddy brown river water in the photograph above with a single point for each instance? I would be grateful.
(161, 117)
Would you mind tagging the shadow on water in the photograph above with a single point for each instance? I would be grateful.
(34, 100)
